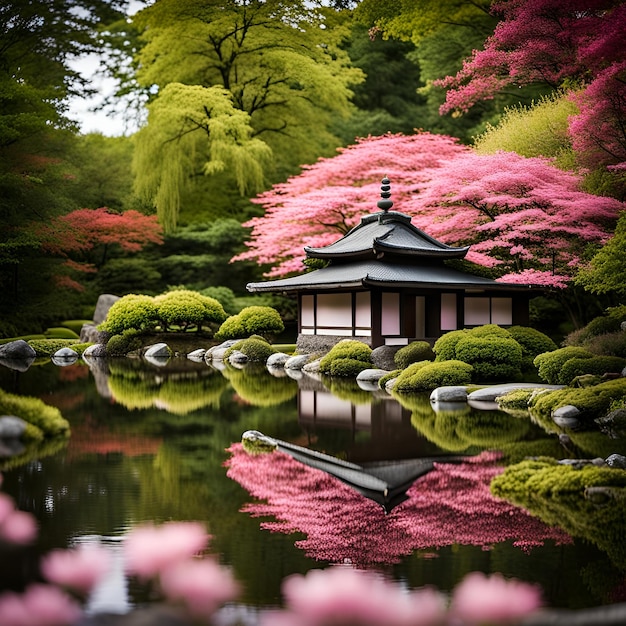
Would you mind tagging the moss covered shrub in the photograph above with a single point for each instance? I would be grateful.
(412, 353)
(47, 347)
(347, 349)
(387, 377)
(44, 419)
(347, 367)
(550, 364)
(597, 365)
(445, 346)
(515, 402)
(255, 348)
(187, 310)
(593, 402)
(253, 320)
(132, 312)
(493, 357)
(426, 375)
(533, 342)
(60, 332)
(128, 341)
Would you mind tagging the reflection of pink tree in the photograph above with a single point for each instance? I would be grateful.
(451, 504)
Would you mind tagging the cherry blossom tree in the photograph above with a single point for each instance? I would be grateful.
(450, 505)
(523, 217)
(578, 45)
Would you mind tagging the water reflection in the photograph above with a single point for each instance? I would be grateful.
(150, 443)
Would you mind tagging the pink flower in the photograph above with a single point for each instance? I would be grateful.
(15, 526)
(202, 585)
(480, 599)
(79, 569)
(343, 595)
(39, 605)
(149, 550)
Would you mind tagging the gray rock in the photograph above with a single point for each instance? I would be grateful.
(11, 427)
(449, 407)
(89, 333)
(10, 447)
(618, 461)
(197, 355)
(450, 393)
(17, 350)
(580, 463)
(278, 359)
(237, 357)
(216, 353)
(96, 350)
(566, 411)
(19, 365)
(613, 424)
(104, 303)
(64, 356)
(490, 393)
(371, 375)
(382, 357)
(312, 367)
(390, 384)
(158, 350)
(297, 362)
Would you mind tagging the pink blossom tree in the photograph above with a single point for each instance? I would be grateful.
(450, 505)
(523, 217)
(579, 45)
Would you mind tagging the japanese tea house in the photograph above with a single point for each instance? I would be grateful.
(386, 283)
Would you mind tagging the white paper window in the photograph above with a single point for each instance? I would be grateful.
(502, 311)
(390, 322)
(307, 313)
(420, 316)
(448, 311)
(363, 314)
(334, 310)
(477, 311)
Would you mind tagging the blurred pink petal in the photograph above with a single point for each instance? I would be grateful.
(479, 599)
(202, 585)
(151, 549)
(39, 605)
(344, 595)
(18, 527)
(79, 569)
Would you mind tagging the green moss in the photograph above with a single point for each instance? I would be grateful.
(255, 348)
(132, 312)
(47, 419)
(347, 349)
(48, 347)
(494, 357)
(445, 346)
(60, 332)
(597, 365)
(347, 367)
(533, 342)
(412, 353)
(259, 320)
(387, 377)
(128, 341)
(427, 375)
(188, 310)
(256, 386)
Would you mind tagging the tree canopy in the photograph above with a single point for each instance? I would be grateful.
(234, 84)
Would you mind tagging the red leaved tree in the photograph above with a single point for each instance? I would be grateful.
(524, 217)
(450, 505)
(561, 43)
(84, 237)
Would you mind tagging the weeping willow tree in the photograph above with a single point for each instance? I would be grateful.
(244, 90)
(194, 130)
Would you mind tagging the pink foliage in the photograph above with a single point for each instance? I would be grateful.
(79, 569)
(16, 526)
(329, 197)
(342, 595)
(39, 605)
(149, 550)
(481, 599)
(201, 585)
(450, 505)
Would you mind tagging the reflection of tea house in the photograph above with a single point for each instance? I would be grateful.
(386, 282)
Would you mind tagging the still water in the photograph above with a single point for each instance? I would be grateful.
(157, 443)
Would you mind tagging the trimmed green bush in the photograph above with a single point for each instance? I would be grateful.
(426, 375)
(47, 419)
(60, 332)
(188, 310)
(550, 364)
(75, 325)
(445, 346)
(489, 330)
(253, 320)
(597, 365)
(255, 348)
(493, 357)
(347, 349)
(593, 401)
(347, 367)
(533, 342)
(128, 341)
(414, 352)
(387, 377)
(47, 347)
(132, 312)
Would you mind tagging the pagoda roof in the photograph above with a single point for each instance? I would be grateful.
(387, 233)
(365, 274)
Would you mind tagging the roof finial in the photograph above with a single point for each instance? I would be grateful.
(385, 204)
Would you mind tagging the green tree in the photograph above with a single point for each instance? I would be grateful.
(236, 83)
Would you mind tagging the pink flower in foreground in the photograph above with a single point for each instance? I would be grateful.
(341, 595)
(480, 599)
(202, 585)
(15, 526)
(79, 569)
(149, 550)
(39, 605)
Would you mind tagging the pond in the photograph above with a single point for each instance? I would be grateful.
(162, 442)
